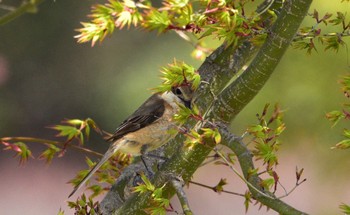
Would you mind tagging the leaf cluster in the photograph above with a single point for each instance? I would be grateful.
(266, 143)
(76, 129)
(107, 173)
(336, 116)
(84, 206)
(21, 149)
(266, 133)
(73, 129)
(178, 74)
(305, 39)
(158, 204)
(223, 19)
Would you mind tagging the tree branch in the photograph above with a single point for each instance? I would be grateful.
(178, 186)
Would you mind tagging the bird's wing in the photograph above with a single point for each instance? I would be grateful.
(148, 112)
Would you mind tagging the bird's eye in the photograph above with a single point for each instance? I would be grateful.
(178, 92)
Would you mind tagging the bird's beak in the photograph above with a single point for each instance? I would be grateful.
(188, 104)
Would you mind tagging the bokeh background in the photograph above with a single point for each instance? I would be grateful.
(45, 77)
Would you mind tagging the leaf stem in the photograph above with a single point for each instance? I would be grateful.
(26, 7)
(46, 142)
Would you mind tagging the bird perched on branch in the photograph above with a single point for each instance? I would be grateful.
(147, 128)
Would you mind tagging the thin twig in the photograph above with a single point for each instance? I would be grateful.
(46, 142)
(211, 188)
(7, 7)
(296, 185)
(240, 176)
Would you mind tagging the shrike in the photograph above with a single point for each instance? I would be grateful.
(147, 128)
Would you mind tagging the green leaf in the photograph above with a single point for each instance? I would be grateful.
(66, 131)
(76, 122)
(268, 183)
(247, 200)
(60, 212)
(346, 133)
(147, 182)
(345, 208)
(335, 116)
(220, 186)
(258, 131)
(266, 152)
(340, 18)
(332, 42)
(96, 190)
(49, 153)
(280, 129)
(177, 74)
(344, 144)
(217, 137)
(157, 21)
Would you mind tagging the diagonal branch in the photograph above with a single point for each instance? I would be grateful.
(245, 159)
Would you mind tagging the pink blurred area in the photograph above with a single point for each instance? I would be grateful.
(3, 70)
(39, 189)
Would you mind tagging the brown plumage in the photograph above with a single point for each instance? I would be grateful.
(147, 128)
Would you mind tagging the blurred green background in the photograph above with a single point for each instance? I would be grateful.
(45, 77)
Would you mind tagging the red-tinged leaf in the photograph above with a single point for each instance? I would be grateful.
(24, 152)
(299, 173)
(315, 14)
(21, 150)
(276, 178)
(10, 146)
(62, 152)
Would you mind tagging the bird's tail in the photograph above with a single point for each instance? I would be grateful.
(105, 157)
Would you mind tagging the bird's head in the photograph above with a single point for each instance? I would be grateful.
(184, 93)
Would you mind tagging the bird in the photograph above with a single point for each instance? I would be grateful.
(147, 128)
